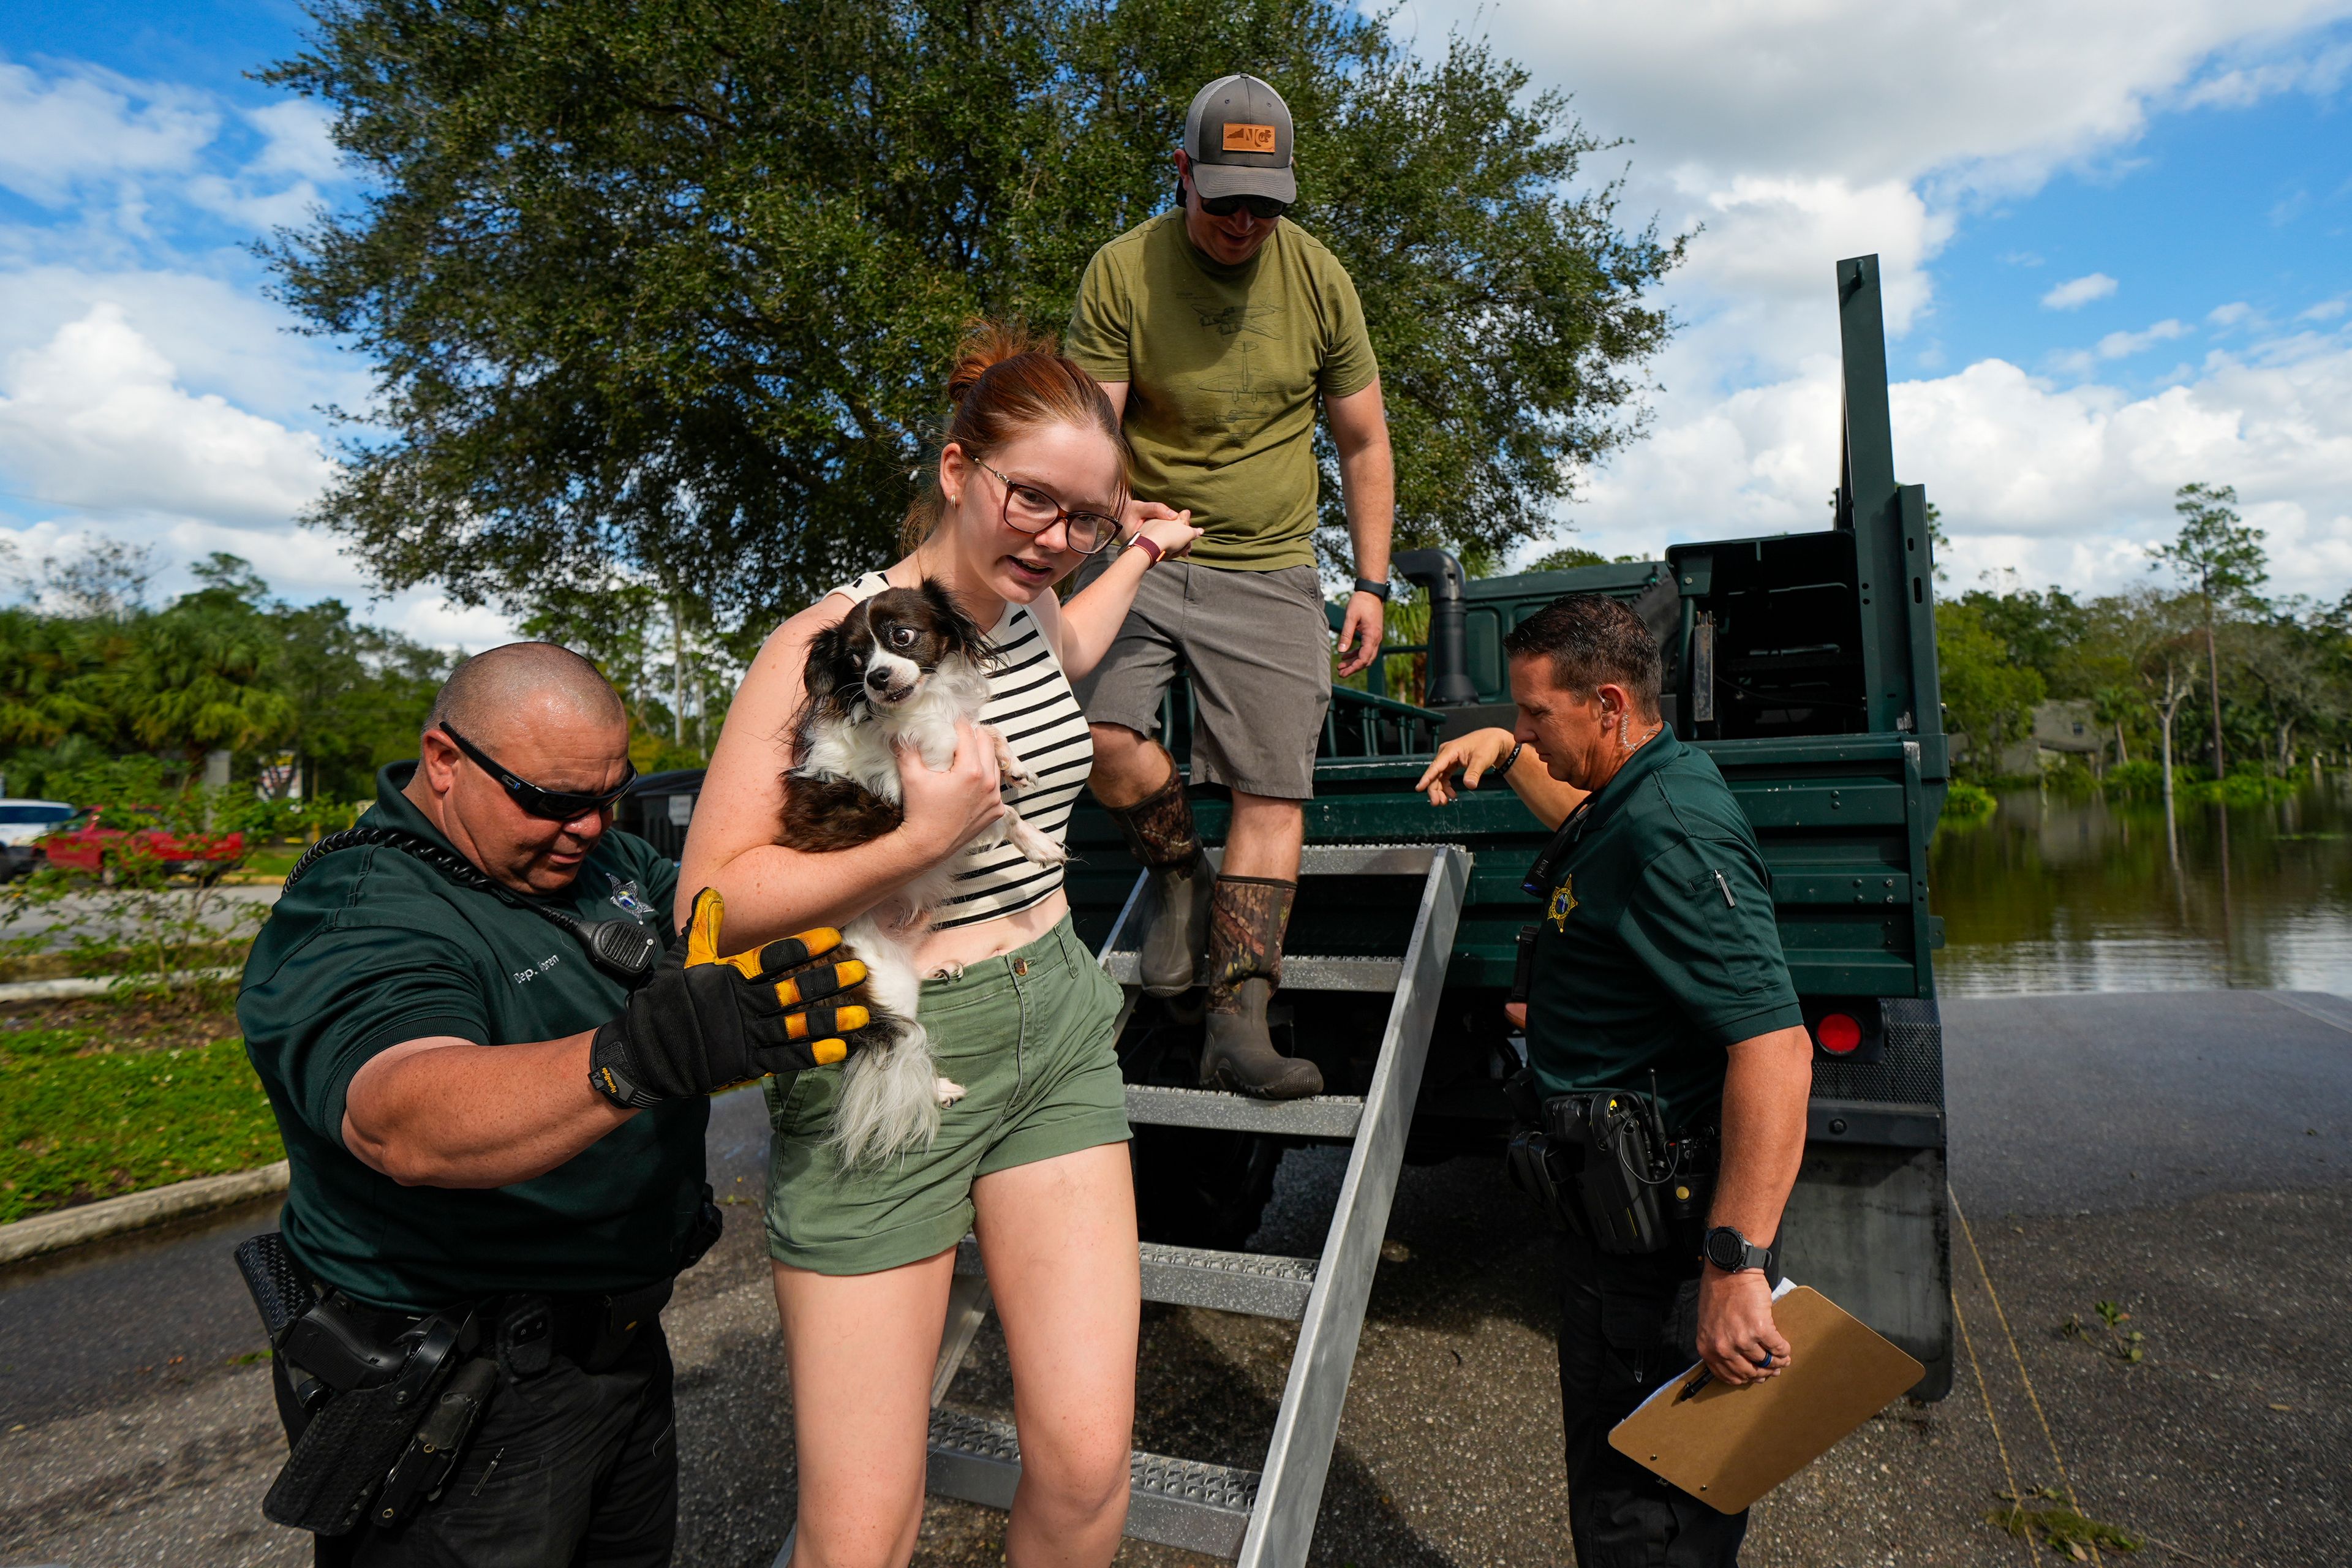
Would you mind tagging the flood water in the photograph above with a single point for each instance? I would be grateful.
(2059, 893)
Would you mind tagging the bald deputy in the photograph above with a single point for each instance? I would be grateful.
(492, 1086)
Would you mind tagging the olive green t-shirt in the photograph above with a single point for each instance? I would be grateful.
(1657, 948)
(373, 947)
(1224, 365)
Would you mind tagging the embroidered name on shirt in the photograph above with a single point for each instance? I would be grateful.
(525, 977)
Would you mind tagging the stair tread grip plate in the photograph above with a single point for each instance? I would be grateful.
(1197, 1259)
(1300, 971)
(1259, 1284)
(1177, 1503)
(1321, 1116)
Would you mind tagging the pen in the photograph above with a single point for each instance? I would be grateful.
(1706, 1375)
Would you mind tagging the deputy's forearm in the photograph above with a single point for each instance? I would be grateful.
(1368, 491)
(446, 1113)
(1764, 1094)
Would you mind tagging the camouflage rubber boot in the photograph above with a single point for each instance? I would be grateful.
(1246, 920)
(1159, 834)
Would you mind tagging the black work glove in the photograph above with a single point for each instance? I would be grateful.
(706, 1022)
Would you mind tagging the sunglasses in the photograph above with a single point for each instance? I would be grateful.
(547, 805)
(1265, 207)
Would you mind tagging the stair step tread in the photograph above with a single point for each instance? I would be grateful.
(1322, 1116)
(1174, 1503)
(1261, 1284)
(1300, 971)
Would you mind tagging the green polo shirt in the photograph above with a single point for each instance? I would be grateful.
(1657, 949)
(374, 947)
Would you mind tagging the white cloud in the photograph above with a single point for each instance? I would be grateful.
(1799, 131)
(219, 337)
(298, 140)
(2061, 485)
(96, 419)
(2123, 345)
(2077, 292)
(89, 124)
(2244, 85)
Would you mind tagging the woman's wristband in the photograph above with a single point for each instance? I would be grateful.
(1152, 545)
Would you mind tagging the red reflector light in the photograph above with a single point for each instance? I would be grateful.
(1838, 1033)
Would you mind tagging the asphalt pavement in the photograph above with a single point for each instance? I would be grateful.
(2185, 1157)
(78, 917)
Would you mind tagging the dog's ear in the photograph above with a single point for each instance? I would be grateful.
(828, 661)
(962, 634)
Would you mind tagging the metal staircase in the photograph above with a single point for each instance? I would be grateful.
(1263, 1518)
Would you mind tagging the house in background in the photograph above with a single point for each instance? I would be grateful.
(2061, 729)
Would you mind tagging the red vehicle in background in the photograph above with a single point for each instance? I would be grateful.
(85, 843)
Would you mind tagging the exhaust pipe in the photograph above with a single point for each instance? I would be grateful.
(1449, 656)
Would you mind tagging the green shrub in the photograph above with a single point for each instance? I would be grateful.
(1965, 804)
(2136, 780)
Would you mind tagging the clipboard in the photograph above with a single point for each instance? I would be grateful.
(1727, 1446)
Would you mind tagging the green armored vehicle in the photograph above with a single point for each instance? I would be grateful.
(1805, 665)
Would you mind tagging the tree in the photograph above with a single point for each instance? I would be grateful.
(360, 696)
(2216, 557)
(665, 287)
(1988, 693)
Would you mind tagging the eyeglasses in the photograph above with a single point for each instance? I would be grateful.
(547, 805)
(1265, 207)
(1028, 509)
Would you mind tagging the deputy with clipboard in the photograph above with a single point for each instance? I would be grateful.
(1664, 1112)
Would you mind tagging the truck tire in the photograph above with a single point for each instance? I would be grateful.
(1199, 1187)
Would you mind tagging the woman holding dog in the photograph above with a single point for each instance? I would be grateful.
(1031, 479)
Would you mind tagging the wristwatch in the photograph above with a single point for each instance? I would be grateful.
(1377, 589)
(1731, 1252)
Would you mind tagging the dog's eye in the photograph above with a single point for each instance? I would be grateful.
(902, 636)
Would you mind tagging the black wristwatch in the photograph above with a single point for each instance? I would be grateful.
(1731, 1252)
(1377, 589)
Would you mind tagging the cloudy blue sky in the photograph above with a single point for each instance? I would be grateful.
(2117, 236)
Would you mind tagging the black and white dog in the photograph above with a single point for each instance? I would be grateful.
(898, 671)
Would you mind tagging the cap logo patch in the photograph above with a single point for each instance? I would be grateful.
(1249, 138)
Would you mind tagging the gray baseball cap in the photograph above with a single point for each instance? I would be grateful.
(1238, 134)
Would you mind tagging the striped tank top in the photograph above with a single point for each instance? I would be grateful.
(1030, 703)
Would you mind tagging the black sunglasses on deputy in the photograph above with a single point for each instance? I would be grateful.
(548, 805)
(1028, 509)
(1264, 207)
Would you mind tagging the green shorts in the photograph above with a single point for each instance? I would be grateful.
(1028, 1034)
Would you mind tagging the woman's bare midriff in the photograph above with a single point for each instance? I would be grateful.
(986, 938)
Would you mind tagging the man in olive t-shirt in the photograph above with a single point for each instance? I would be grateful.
(484, 1122)
(1217, 329)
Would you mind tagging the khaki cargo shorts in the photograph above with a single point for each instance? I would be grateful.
(1028, 1034)
(1258, 647)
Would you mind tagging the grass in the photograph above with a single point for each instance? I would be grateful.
(2058, 1527)
(270, 862)
(114, 1102)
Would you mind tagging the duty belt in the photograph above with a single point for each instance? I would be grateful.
(386, 1399)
